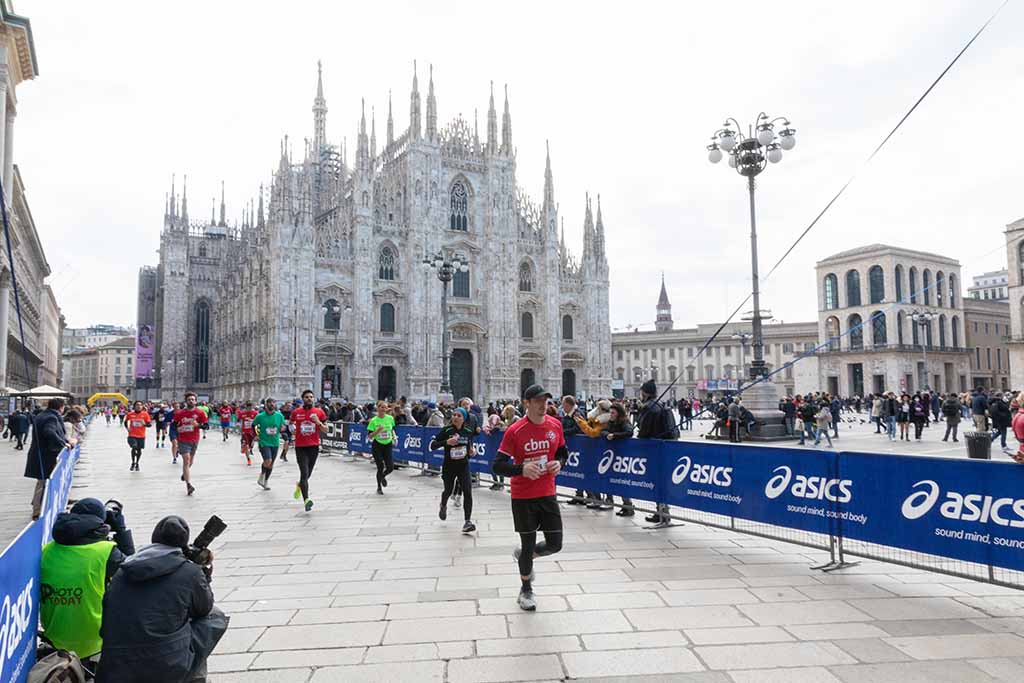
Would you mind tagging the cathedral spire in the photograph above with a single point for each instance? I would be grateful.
(223, 207)
(599, 243)
(476, 130)
(319, 114)
(259, 214)
(506, 127)
(373, 132)
(492, 125)
(431, 107)
(172, 208)
(213, 211)
(549, 183)
(391, 123)
(184, 201)
(663, 322)
(362, 148)
(564, 254)
(588, 233)
(414, 106)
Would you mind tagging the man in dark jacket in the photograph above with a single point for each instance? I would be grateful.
(19, 424)
(569, 427)
(952, 410)
(979, 410)
(789, 415)
(74, 572)
(158, 613)
(807, 411)
(656, 422)
(999, 410)
(48, 440)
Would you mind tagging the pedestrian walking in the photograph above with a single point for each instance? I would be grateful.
(951, 410)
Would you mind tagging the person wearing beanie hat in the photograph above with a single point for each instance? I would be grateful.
(656, 422)
(456, 439)
(80, 561)
(150, 614)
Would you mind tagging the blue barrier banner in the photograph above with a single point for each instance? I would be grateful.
(19, 613)
(58, 487)
(629, 467)
(700, 476)
(357, 439)
(485, 447)
(965, 509)
(788, 487)
(410, 444)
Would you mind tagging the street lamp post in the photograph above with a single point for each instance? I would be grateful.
(924, 320)
(445, 270)
(174, 363)
(334, 310)
(750, 154)
(743, 338)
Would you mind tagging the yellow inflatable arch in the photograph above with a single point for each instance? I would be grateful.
(99, 397)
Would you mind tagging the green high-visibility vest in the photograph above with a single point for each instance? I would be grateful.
(73, 580)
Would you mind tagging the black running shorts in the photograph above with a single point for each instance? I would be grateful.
(536, 514)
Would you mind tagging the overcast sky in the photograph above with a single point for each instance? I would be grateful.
(627, 94)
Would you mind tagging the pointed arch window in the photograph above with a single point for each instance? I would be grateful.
(387, 317)
(525, 277)
(387, 264)
(460, 284)
(459, 214)
(201, 348)
(526, 325)
(567, 328)
(332, 320)
(876, 284)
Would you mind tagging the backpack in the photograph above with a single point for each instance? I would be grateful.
(60, 666)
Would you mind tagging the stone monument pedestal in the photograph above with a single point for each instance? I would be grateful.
(762, 400)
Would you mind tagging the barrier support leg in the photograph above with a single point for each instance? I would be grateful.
(842, 563)
(838, 560)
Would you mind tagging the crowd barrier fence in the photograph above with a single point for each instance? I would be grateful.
(959, 517)
(19, 575)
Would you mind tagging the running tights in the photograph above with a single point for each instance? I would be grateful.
(457, 473)
(551, 544)
(305, 457)
(385, 463)
(136, 455)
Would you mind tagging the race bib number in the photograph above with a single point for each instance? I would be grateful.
(247, 424)
(384, 435)
(540, 461)
(271, 431)
(138, 423)
(458, 452)
(186, 427)
(307, 428)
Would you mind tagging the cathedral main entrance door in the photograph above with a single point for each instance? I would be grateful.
(526, 378)
(568, 382)
(462, 373)
(387, 383)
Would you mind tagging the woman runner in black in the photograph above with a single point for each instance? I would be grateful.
(532, 453)
(457, 440)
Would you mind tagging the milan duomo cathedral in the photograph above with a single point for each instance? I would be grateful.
(327, 287)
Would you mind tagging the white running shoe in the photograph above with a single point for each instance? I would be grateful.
(457, 500)
(526, 601)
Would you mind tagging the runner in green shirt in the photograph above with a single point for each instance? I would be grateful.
(268, 425)
(382, 435)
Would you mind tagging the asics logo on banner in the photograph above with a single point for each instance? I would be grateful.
(479, 450)
(622, 464)
(15, 616)
(966, 507)
(355, 436)
(816, 488)
(411, 441)
(701, 474)
(534, 446)
(574, 459)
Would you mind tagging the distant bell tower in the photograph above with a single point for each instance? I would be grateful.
(663, 323)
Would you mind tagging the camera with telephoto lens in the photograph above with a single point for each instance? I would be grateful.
(199, 550)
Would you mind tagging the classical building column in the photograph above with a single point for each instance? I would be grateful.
(9, 154)
(5, 296)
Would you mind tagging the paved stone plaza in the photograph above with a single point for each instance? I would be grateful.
(369, 588)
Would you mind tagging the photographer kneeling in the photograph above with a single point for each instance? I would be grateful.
(159, 622)
(75, 570)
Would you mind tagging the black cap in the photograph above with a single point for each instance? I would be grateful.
(171, 530)
(649, 388)
(535, 390)
(89, 506)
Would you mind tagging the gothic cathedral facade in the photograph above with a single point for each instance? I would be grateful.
(328, 288)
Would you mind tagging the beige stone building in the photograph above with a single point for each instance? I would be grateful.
(667, 353)
(107, 368)
(40, 315)
(987, 333)
(895, 321)
(1015, 291)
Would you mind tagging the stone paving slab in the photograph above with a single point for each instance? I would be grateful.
(376, 588)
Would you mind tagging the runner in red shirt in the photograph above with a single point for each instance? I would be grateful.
(532, 453)
(225, 412)
(306, 424)
(136, 423)
(245, 418)
(188, 420)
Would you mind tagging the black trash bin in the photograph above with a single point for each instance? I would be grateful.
(979, 445)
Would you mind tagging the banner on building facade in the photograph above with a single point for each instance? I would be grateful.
(145, 342)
